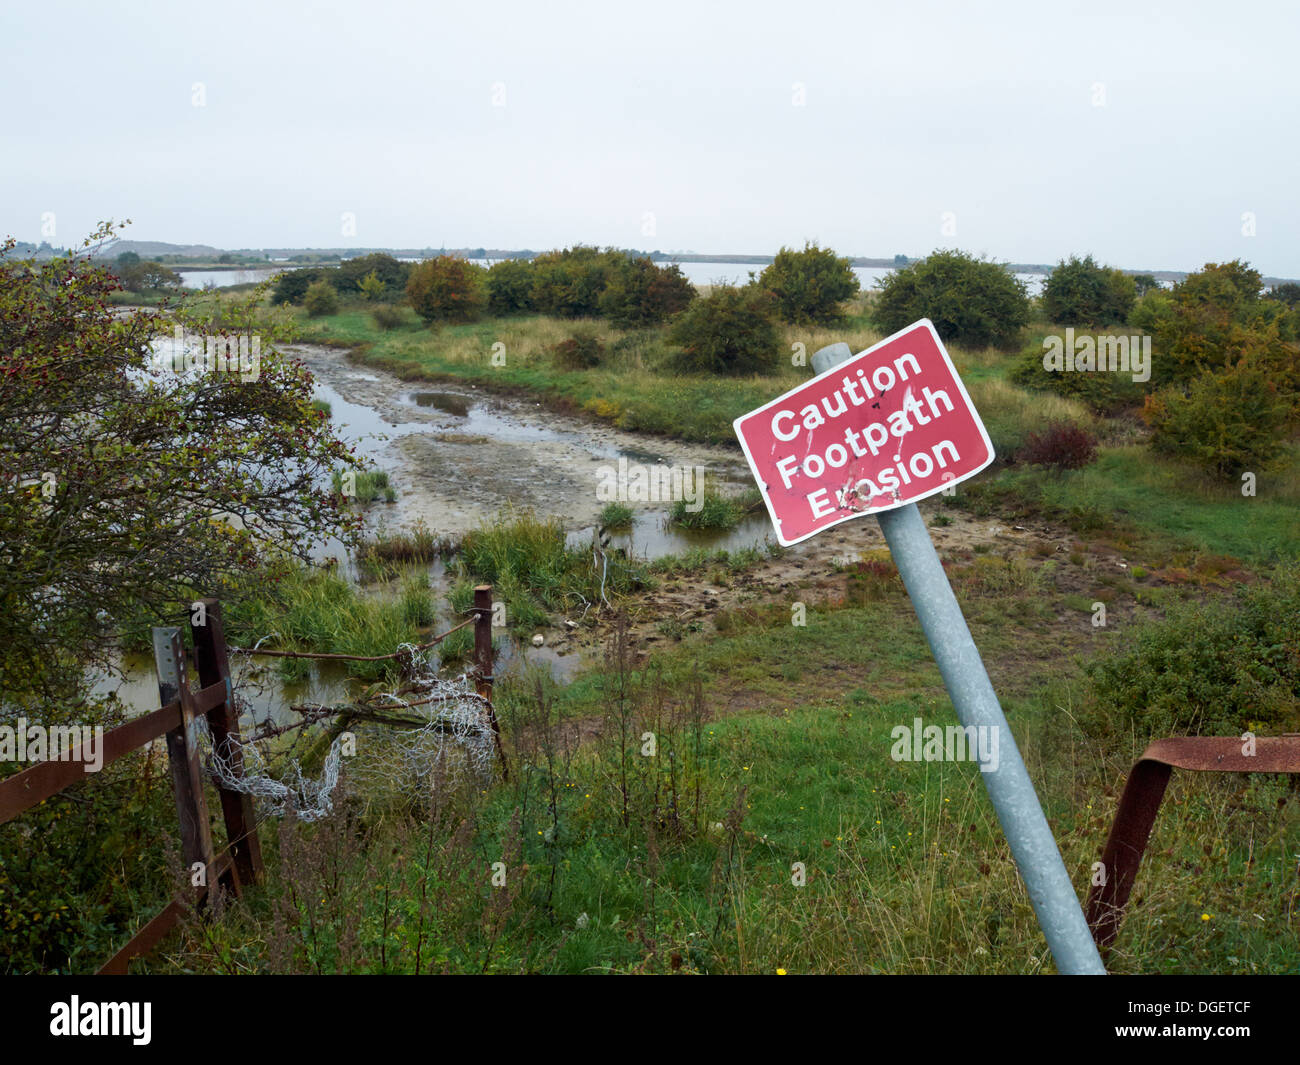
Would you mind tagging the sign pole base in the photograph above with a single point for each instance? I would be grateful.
(1021, 815)
(1022, 818)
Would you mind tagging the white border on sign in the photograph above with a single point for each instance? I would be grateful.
(924, 323)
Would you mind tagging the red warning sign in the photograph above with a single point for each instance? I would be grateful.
(885, 428)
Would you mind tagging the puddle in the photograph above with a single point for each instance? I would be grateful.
(364, 427)
(652, 536)
(444, 401)
(509, 661)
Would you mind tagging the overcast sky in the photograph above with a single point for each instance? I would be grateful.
(1139, 132)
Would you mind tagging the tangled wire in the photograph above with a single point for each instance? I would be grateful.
(432, 732)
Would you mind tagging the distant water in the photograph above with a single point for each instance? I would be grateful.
(226, 278)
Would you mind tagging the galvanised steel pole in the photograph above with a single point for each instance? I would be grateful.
(1021, 815)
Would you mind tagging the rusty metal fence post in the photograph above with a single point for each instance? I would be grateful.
(183, 749)
(213, 664)
(483, 664)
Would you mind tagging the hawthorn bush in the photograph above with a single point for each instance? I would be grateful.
(1213, 319)
(347, 278)
(1227, 421)
(129, 486)
(810, 285)
(1080, 292)
(447, 289)
(970, 301)
(293, 284)
(730, 331)
(321, 299)
(569, 283)
(640, 293)
(509, 286)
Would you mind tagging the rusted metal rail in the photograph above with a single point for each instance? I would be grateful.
(1140, 803)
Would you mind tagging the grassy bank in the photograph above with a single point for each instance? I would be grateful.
(771, 748)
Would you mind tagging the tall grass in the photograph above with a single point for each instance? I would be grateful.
(390, 549)
(320, 611)
(369, 485)
(714, 509)
(532, 570)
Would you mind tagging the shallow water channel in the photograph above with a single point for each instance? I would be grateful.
(458, 456)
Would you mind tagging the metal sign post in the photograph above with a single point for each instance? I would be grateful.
(1019, 812)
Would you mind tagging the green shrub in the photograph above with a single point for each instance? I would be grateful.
(1227, 421)
(391, 273)
(970, 301)
(371, 287)
(730, 331)
(1214, 318)
(446, 289)
(1080, 292)
(509, 286)
(1288, 293)
(1214, 668)
(1144, 283)
(616, 516)
(810, 285)
(582, 351)
(321, 299)
(387, 318)
(293, 284)
(147, 276)
(1106, 393)
(569, 283)
(640, 293)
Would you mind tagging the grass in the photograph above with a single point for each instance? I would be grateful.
(1159, 512)
(389, 549)
(685, 860)
(366, 486)
(616, 516)
(314, 610)
(714, 509)
(534, 572)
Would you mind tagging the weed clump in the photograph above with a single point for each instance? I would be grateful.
(1214, 668)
